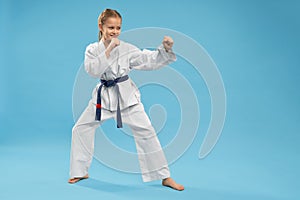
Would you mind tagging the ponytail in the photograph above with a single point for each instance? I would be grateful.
(99, 35)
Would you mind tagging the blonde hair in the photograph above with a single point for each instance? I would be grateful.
(104, 16)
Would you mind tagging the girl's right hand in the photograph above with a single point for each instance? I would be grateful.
(113, 44)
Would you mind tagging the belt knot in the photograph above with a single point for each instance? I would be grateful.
(110, 83)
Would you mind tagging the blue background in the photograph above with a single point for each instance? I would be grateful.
(255, 45)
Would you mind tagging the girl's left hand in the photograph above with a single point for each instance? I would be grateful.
(168, 43)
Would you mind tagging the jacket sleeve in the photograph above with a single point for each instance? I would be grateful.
(95, 61)
(150, 59)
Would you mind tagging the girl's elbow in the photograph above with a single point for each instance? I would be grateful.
(91, 70)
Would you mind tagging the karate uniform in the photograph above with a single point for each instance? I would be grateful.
(122, 59)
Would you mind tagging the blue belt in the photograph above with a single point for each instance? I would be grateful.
(110, 83)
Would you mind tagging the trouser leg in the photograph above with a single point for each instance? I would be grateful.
(83, 134)
(152, 160)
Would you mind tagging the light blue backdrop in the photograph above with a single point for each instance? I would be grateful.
(255, 45)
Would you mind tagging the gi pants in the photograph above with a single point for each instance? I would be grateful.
(153, 163)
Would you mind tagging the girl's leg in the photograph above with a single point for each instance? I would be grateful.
(153, 163)
(82, 147)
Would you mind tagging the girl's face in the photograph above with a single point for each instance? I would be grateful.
(111, 28)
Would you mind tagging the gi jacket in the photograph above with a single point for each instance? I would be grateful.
(122, 59)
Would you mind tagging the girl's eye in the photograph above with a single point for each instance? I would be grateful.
(111, 28)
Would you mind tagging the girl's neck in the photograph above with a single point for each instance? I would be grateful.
(105, 42)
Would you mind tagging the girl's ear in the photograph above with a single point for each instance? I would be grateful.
(100, 27)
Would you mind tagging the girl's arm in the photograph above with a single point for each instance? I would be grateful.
(97, 59)
(151, 60)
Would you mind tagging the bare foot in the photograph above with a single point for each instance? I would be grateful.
(76, 179)
(169, 182)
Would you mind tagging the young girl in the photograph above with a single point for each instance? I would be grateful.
(117, 97)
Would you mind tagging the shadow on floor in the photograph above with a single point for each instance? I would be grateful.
(156, 191)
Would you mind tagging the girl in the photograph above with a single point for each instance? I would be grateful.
(117, 97)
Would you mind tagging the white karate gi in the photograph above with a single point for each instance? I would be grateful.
(122, 59)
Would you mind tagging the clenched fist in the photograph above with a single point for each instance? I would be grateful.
(168, 43)
(113, 43)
